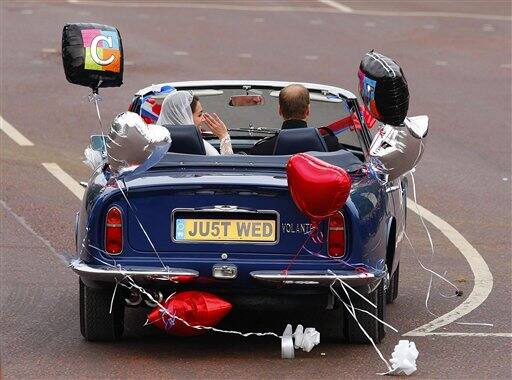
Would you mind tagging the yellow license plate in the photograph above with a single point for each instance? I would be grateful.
(191, 229)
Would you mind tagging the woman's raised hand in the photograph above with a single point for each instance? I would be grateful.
(216, 125)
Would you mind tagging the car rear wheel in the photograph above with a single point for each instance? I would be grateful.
(96, 321)
(392, 291)
(373, 327)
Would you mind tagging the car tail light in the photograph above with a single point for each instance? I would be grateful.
(114, 231)
(337, 235)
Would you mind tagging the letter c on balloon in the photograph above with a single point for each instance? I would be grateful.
(94, 50)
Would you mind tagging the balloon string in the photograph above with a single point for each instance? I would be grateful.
(96, 98)
(292, 261)
(317, 237)
(140, 223)
(352, 311)
(458, 292)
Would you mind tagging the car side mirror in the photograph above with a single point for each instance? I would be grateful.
(97, 143)
(397, 150)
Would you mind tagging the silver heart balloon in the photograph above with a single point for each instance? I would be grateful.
(132, 144)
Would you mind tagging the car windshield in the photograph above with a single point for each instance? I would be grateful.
(327, 110)
(253, 113)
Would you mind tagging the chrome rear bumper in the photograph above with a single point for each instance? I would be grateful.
(294, 278)
(112, 274)
(318, 278)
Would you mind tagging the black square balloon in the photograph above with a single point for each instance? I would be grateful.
(383, 88)
(92, 55)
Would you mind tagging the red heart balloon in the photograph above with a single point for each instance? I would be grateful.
(318, 189)
(197, 308)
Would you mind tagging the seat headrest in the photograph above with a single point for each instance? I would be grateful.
(299, 140)
(185, 139)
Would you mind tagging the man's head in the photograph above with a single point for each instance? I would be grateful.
(294, 102)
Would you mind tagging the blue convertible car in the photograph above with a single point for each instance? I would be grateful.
(228, 224)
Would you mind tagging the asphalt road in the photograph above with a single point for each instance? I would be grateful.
(457, 58)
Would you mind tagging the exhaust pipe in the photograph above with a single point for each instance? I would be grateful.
(134, 299)
(157, 295)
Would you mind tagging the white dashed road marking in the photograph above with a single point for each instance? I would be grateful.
(336, 5)
(244, 55)
(428, 27)
(284, 8)
(311, 57)
(14, 134)
(483, 281)
(259, 19)
(370, 24)
(49, 51)
(180, 53)
(506, 66)
(488, 28)
(24, 223)
(441, 63)
(65, 179)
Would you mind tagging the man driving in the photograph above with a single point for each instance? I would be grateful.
(294, 108)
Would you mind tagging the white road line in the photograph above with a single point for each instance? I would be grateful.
(225, 7)
(180, 53)
(259, 19)
(334, 4)
(488, 28)
(244, 55)
(370, 24)
(14, 134)
(281, 8)
(27, 226)
(441, 63)
(505, 335)
(474, 16)
(316, 22)
(49, 51)
(483, 281)
(311, 57)
(506, 66)
(65, 179)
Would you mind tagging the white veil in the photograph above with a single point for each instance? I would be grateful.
(176, 109)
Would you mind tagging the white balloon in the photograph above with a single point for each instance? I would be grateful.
(131, 142)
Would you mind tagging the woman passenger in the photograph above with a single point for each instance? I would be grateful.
(183, 108)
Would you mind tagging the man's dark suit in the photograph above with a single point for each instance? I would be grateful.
(267, 145)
